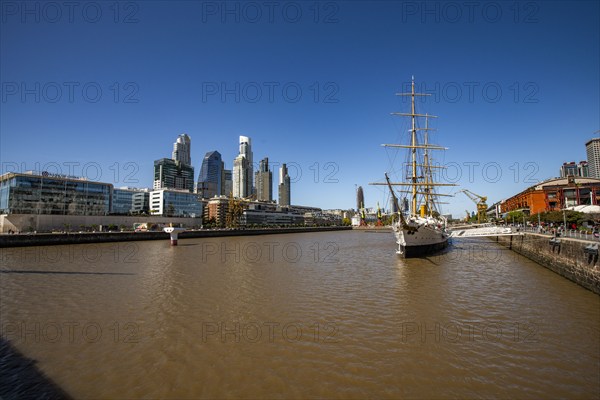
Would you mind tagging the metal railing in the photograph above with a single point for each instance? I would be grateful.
(569, 233)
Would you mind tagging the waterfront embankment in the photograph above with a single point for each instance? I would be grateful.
(49, 239)
(574, 259)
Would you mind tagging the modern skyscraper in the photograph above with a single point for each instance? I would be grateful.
(182, 149)
(360, 198)
(284, 186)
(227, 182)
(395, 206)
(246, 150)
(593, 157)
(176, 173)
(264, 181)
(243, 185)
(210, 179)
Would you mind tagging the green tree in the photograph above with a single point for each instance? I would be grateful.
(515, 217)
(234, 213)
(558, 217)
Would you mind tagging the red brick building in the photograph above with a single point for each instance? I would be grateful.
(553, 195)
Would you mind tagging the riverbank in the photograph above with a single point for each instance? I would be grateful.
(574, 259)
(50, 239)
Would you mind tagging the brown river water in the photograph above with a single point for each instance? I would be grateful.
(320, 315)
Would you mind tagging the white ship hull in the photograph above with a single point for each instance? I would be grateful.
(421, 236)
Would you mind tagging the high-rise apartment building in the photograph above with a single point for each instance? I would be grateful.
(210, 179)
(171, 174)
(264, 181)
(284, 186)
(593, 157)
(240, 177)
(182, 149)
(243, 185)
(176, 172)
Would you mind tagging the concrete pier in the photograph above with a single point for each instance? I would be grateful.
(575, 259)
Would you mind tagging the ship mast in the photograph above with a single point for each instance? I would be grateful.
(426, 167)
(423, 187)
(413, 143)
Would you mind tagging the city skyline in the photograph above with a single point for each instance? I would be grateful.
(322, 108)
(184, 182)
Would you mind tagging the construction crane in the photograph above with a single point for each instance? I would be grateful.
(480, 201)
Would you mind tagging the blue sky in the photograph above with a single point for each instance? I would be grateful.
(103, 91)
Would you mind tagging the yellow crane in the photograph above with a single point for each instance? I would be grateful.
(480, 201)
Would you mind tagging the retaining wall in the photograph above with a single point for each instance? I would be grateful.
(572, 258)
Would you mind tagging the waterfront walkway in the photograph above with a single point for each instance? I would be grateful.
(570, 233)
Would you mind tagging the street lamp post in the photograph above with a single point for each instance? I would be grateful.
(565, 214)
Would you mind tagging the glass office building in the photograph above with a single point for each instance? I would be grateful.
(210, 180)
(127, 201)
(43, 193)
(141, 202)
(122, 201)
(175, 203)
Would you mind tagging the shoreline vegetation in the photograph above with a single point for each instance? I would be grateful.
(60, 238)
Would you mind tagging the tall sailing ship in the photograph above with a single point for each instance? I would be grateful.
(421, 229)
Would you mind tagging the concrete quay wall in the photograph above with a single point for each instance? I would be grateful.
(49, 239)
(573, 259)
(47, 223)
